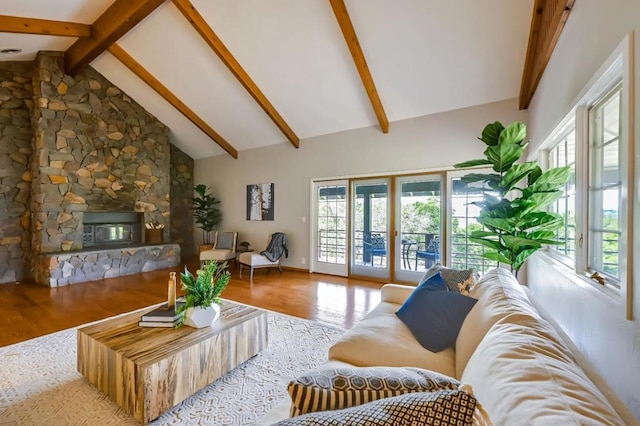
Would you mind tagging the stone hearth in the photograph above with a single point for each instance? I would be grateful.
(60, 269)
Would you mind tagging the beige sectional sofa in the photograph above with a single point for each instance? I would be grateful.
(520, 368)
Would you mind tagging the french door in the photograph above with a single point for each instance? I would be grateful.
(370, 237)
(419, 208)
(353, 232)
(330, 227)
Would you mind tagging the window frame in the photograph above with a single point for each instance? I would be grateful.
(595, 171)
(567, 127)
(617, 70)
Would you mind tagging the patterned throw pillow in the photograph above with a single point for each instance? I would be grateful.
(452, 277)
(335, 388)
(444, 407)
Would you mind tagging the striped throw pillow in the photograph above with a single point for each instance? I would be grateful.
(444, 407)
(336, 388)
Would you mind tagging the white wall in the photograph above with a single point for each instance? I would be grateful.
(428, 142)
(595, 322)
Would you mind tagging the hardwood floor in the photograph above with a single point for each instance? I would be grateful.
(30, 310)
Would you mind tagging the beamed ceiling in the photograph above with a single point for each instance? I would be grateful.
(229, 75)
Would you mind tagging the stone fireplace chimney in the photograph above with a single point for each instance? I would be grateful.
(94, 150)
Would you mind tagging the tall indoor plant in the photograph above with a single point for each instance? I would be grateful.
(202, 294)
(516, 222)
(206, 213)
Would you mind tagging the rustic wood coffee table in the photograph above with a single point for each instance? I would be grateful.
(147, 371)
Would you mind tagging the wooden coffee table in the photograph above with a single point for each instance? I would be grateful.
(147, 371)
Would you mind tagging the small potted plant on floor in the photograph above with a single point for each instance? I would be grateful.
(202, 298)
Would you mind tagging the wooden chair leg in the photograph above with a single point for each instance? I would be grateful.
(280, 269)
(240, 265)
(252, 268)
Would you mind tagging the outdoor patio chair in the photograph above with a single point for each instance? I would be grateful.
(431, 254)
(374, 245)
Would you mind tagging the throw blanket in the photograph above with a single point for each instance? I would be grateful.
(277, 246)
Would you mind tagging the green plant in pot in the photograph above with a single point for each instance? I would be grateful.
(202, 298)
(516, 222)
(206, 213)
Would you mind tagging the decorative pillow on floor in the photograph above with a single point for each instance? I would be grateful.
(453, 277)
(444, 407)
(435, 317)
(335, 388)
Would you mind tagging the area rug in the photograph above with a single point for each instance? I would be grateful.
(39, 383)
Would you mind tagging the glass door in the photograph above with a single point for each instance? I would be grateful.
(370, 241)
(419, 213)
(463, 214)
(329, 236)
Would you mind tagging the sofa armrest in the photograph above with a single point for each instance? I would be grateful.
(395, 293)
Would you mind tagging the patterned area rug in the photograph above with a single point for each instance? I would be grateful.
(39, 383)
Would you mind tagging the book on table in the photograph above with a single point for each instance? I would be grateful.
(163, 324)
(163, 313)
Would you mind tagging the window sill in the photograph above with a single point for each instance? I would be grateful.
(612, 293)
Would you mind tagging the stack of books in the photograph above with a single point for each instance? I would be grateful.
(162, 316)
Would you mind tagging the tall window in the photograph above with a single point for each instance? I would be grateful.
(464, 214)
(564, 154)
(605, 184)
(593, 140)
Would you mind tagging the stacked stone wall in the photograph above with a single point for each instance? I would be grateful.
(16, 135)
(181, 200)
(96, 149)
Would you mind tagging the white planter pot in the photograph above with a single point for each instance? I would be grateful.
(200, 317)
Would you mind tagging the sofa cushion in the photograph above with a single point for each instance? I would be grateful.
(452, 277)
(445, 407)
(336, 388)
(380, 338)
(524, 374)
(499, 294)
(435, 316)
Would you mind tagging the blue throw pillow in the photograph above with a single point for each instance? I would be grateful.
(435, 315)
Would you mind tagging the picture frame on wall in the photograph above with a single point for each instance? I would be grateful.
(261, 201)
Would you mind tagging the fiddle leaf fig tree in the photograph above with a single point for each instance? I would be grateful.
(206, 212)
(516, 223)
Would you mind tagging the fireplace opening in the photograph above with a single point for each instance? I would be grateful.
(111, 229)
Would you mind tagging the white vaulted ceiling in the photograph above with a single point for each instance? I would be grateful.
(425, 56)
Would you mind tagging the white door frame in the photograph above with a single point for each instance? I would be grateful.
(316, 265)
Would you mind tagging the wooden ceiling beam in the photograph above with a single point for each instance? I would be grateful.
(214, 42)
(547, 23)
(20, 25)
(155, 84)
(115, 22)
(349, 33)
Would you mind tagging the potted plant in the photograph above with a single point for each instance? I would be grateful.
(206, 213)
(202, 297)
(516, 223)
(244, 246)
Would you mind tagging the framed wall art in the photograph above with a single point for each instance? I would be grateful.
(260, 201)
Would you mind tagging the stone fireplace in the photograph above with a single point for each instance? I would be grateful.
(82, 176)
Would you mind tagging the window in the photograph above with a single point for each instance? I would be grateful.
(465, 253)
(564, 154)
(605, 184)
(593, 140)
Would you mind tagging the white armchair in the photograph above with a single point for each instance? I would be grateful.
(255, 260)
(224, 248)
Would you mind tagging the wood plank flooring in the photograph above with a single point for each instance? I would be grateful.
(30, 310)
